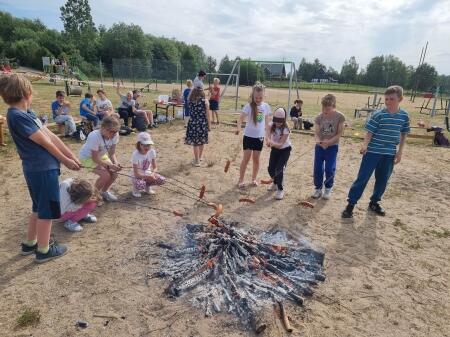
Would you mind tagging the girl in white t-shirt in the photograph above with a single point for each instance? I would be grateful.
(278, 139)
(257, 114)
(144, 166)
(77, 199)
(99, 154)
(103, 106)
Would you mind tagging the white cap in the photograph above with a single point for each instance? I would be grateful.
(145, 138)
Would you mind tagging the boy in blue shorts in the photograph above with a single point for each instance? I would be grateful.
(386, 129)
(41, 152)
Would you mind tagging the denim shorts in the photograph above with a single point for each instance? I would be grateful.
(44, 191)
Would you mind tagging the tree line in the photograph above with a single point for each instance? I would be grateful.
(83, 44)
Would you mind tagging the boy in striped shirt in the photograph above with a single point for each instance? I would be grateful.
(386, 129)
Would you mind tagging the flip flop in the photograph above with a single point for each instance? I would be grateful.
(255, 183)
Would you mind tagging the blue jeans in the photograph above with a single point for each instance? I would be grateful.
(93, 118)
(383, 165)
(325, 158)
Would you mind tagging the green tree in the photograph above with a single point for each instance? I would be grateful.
(425, 77)
(79, 26)
(349, 70)
(374, 73)
(211, 64)
(28, 52)
(225, 65)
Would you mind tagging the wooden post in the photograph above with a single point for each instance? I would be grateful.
(2, 130)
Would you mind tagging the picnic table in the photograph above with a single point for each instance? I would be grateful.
(165, 106)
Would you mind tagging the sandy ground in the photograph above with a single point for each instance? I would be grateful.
(385, 276)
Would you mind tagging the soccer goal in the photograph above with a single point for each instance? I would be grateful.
(278, 77)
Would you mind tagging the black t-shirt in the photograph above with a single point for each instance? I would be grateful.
(296, 112)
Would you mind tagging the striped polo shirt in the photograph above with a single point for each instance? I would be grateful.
(386, 128)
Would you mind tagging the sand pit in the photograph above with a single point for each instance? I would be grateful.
(385, 276)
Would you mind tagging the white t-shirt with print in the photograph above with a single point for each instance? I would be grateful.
(66, 203)
(96, 142)
(143, 161)
(257, 130)
(275, 136)
(103, 104)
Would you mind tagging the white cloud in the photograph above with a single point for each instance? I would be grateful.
(330, 30)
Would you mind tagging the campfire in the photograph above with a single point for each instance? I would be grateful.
(223, 268)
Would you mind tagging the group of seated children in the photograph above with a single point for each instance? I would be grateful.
(95, 110)
(41, 152)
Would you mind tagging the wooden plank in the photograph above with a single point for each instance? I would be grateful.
(2, 130)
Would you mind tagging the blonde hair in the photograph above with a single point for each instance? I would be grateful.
(15, 87)
(394, 89)
(257, 88)
(80, 191)
(328, 100)
(189, 83)
(216, 80)
(110, 122)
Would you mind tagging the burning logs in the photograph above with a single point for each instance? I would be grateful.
(223, 268)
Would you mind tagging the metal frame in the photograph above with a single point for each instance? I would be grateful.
(292, 77)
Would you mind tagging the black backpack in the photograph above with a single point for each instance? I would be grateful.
(439, 137)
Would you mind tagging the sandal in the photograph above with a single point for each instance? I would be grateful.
(241, 185)
(255, 183)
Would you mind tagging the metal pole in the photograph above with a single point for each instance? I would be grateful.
(229, 77)
(237, 84)
(436, 94)
(290, 85)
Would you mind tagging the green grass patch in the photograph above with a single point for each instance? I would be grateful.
(444, 234)
(399, 224)
(28, 318)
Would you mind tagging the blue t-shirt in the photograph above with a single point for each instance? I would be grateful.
(88, 103)
(55, 107)
(386, 128)
(22, 125)
(186, 93)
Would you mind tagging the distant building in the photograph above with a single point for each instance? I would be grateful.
(321, 77)
(274, 70)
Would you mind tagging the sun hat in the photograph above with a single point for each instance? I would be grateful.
(145, 138)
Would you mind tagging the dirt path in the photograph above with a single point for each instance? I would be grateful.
(385, 276)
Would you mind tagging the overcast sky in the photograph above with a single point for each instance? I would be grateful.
(279, 29)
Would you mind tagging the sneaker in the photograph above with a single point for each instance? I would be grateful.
(272, 187)
(196, 163)
(279, 195)
(90, 218)
(327, 194)
(54, 251)
(317, 194)
(108, 196)
(27, 250)
(376, 208)
(72, 226)
(348, 211)
(136, 194)
(149, 190)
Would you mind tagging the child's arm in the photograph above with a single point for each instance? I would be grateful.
(317, 133)
(61, 146)
(43, 139)
(85, 107)
(112, 155)
(366, 142)
(336, 138)
(398, 156)
(266, 128)
(154, 167)
(239, 122)
(136, 172)
(282, 141)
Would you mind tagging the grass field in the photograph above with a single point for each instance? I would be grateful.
(347, 101)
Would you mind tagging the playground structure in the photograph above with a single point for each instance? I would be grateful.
(266, 72)
(434, 98)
